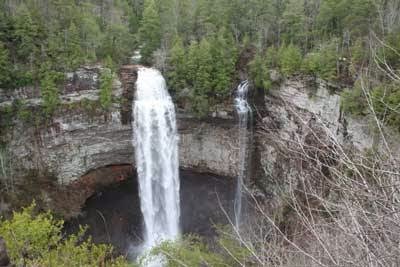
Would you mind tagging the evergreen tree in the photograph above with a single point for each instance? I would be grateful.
(177, 61)
(224, 58)
(26, 32)
(49, 90)
(150, 31)
(290, 59)
(5, 66)
(204, 68)
(50, 95)
(74, 51)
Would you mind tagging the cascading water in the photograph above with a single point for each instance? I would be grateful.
(244, 113)
(156, 153)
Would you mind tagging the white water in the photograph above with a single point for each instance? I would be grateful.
(156, 152)
(244, 113)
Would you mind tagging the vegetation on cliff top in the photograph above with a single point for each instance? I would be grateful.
(197, 43)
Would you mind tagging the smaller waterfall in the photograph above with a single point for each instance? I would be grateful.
(156, 148)
(244, 113)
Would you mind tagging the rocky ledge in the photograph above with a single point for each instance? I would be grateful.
(81, 137)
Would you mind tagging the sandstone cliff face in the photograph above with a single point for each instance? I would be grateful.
(296, 134)
(80, 139)
(84, 146)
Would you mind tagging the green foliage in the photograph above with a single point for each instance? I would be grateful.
(27, 33)
(150, 31)
(312, 63)
(290, 59)
(390, 53)
(200, 105)
(177, 62)
(322, 62)
(5, 67)
(224, 56)
(74, 50)
(353, 101)
(259, 72)
(386, 103)
(49, 90)
(30, 236)
(117, 42)
(190, 251)
(106, 82)
(385, 100)
(359, 55)
(193, 251)
(36, 239)
(206, 68)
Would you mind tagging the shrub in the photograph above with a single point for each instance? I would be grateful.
(200, 105)
(36, 239)
(289, 59)
(321, 62)
(386, 102)
(50, 93)
(312, 63)
(106, 82)
(353, 101)
(193, 251)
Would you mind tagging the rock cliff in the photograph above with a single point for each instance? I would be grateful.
(82, 137)
(84, 146)
(298, 134)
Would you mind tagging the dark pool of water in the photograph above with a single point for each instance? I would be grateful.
(113, 214)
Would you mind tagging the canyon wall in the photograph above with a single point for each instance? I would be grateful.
(300, 133)
(84, 146)
(81, 137)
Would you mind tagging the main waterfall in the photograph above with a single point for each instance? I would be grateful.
(243, 111)
(156, 153)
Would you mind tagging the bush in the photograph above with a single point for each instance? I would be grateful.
(290, 59)
(353, 101)
(36, 239)
(49, 91)
(106, 83)
(193, 251)
(386, 102)
(312, 63)
(321, 62)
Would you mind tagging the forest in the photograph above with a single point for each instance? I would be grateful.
(197, 44)
(202, 47)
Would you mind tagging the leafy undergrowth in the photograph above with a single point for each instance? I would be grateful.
(36, 239)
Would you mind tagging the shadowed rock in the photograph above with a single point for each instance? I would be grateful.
(4, 259)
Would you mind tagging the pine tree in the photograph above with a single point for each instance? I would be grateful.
(150, 31)
(177, 61)
(49, 90)
(290, 59)
(224, 56)
(74, 50)
(203, 76)
(5, 66)
(26, 33)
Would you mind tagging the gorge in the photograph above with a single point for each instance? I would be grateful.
(169, 133)
(89, 152)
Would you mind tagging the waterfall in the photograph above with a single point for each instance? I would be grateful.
(244, 113)
(156, 154)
